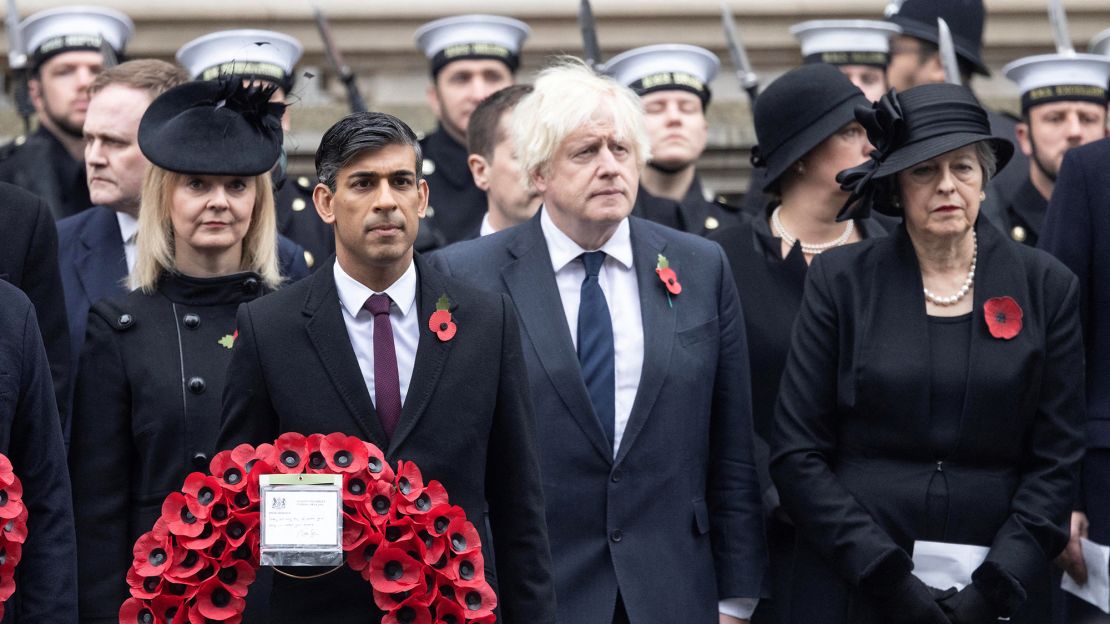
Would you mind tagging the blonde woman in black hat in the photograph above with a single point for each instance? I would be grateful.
(152, 371)
(807, 131)
(928, 422)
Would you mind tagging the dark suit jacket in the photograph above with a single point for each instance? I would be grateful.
(31, 437)
(94, 266)
(29, 260)
(852, 458)
(1076, 230)
(467, 421)
(674, 521)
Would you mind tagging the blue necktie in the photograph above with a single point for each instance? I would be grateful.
(595, 344)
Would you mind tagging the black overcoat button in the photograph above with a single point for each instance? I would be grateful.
(197, 385)
(250, 285)
(616, 535)
(192, 321)
(200, 461)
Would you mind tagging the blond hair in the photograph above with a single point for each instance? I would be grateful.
(565, 97)
(154, 242)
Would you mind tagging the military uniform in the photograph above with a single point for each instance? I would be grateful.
(298, 221)
(40, 164)
(701, 216)
(455, 205)
(1022, 216)
(147, 412)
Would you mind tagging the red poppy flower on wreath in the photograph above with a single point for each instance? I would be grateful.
(13, 529)
(441, 322)
(1003, 316)
(420, 555)
(667, 275)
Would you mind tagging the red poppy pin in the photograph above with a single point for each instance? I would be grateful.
(441, 322)
(668, 277)
(1003, 316)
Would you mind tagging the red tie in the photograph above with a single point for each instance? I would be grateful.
(387, 385)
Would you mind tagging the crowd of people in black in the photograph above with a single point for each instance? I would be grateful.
(871, 394)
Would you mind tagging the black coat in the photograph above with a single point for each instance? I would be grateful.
(455, 205)
(43, 166)
(298, 221)
(673, 522)
(147, 412)
(1022, 216)
(1077, 231)
(31, 437)
(850, 458)
(467, 421)
(29, 260)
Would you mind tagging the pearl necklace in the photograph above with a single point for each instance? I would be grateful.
(814, 249)
(966, 287)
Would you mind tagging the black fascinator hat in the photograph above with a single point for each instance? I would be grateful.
(798, 111)
(213, 128)
(909, 128)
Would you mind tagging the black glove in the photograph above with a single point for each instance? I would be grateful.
(910, 601)
(969, 606)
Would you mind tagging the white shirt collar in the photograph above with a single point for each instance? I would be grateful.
(128, 226)
(563, 250)
(486, 228)
(353, 294)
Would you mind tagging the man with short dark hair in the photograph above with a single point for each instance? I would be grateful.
(66, 51)
(455, 404)
(494, 164)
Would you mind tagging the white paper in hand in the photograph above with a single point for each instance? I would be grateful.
(942, 565)
(1097, 589)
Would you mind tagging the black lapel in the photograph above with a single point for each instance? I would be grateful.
(431, 352)
(100, 260)
(328, 334)
(658, 319)
(530, 281)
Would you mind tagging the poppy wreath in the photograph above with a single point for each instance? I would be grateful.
(419, 553)
(13, 515)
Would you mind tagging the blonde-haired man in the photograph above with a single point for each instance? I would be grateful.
(636, 356)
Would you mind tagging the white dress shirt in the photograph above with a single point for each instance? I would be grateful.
(128, 227)
(360, 324)
(486, 228)
(622, 294)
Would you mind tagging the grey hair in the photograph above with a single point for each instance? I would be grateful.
(357, 133)
(988, 160)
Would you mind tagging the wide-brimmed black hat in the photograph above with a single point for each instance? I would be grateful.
(918, 18)
(213, 128)
(805, 106)
(909, 128)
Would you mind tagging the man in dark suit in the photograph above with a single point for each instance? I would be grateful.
(1077, 231)
(97, 246)
(30, 436)
(29, 261)
(455, 403)
(635, 350)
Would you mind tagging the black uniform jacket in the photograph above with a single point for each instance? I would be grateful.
(147, 412)
(673, 521)
(298, 221)
(701, 216)
(467, 421)
(1077, 231)
(455, 205)
(31, 437)
(29, 260)
(43, 166)
(849, 457)
(1022, 216)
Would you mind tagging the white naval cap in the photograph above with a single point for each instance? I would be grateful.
(665, 66)
(1100, 44)
(845, 42)
(1060, 77)
(249, 53)
(472, 37)
(54, 31)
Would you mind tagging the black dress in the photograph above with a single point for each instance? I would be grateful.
(770, 288)
(147, 413)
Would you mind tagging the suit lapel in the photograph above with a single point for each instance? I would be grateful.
(329, 337)
(431, 353)
(530, 281)
(658, 318)
(100, 261)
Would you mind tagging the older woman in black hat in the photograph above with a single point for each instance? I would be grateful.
(928, 422)
(149, 389)
(807, 131)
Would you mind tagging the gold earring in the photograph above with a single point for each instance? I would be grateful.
(982, 195)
